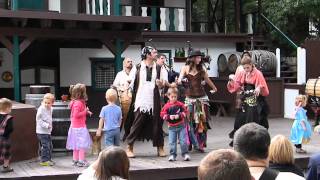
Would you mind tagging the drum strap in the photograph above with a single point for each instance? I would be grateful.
(314, 87)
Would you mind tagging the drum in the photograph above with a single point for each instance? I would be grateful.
(96, 142)
(125, 98)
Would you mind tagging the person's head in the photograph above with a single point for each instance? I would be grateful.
(247, 64)
(280, 150)
(195, 60)
(127, 63)
(223, 164)
(48, 100)
(5, 105)
(161, 58)
(149, 52)
(246, 53)
(111, 95)
(78, 91)
(172, 94)
(301, 100)
(252, 141)
(112, 161)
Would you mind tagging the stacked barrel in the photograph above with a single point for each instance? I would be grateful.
(265, 61)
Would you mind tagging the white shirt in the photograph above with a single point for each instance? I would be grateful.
(122, 78)
(144, 96)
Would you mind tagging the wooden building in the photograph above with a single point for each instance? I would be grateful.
(58, 43)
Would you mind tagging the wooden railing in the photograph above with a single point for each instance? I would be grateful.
(163, 18)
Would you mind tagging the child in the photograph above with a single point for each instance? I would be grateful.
(301, 128)
(44, 128)
(78, 136)
(112, 163)
(174, 112)
(110, 118)
(6, 128)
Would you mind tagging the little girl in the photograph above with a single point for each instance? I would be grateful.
(78, 136)
(301, 128)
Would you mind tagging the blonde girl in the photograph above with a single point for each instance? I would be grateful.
(301, 128)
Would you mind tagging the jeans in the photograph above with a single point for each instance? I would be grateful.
(112, 137)
(174, 133)
(45, 147)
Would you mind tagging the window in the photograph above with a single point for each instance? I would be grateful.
(103, 73)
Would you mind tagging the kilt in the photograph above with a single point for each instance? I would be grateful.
(4, 149)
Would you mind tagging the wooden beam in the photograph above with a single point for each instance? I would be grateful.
(73, 17)
(7, 43)
(25, 44)
(108, 43)
(36, 33)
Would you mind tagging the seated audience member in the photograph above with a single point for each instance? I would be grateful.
(313, 172)
(253, 141)
(281, 155)
(112, 164)
(223, 164)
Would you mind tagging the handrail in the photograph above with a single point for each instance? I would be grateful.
(276, 28)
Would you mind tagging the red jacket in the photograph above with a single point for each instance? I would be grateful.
(176, 108)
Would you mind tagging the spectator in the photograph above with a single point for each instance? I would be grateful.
(253, 141)
(281, 155)
(112, 164)
(224, 164)
(313, 166)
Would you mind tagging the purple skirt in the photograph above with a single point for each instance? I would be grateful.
(78, 138)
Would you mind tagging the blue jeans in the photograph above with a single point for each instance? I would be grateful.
(45, 147)
(174, 133)
(112, 137)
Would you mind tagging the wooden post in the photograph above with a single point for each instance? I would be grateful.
(237, 15)
(171, 19)
(116, 7)
(16, 68)
(154, 19)
(118, 60)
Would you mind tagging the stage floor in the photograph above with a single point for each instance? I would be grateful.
(148, 166)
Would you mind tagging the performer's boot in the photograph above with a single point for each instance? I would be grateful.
(130, 151)
(161, 152)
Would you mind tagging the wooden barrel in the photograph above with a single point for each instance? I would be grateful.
(313, 87)
(39, 89)
(265, 61)
(223, 62)
(36, 95)
(60, 125)
(234, 61)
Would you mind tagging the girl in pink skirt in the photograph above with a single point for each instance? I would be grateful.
(79, 139)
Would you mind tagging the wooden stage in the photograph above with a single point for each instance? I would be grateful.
(147, 166)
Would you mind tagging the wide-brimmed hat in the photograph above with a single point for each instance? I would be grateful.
(196, 53)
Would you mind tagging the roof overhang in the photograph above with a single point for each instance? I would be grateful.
(193, 37)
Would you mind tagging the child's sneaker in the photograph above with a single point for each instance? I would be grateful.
(83, 164)
(47, 163)
(52, 163)
(6, 169)
(172, 158)
(186, 157)
(74, 162)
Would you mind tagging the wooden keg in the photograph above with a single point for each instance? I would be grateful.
(265, 61)
(234, 61)
(313, 87)
(60, 125)
(36, 95)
